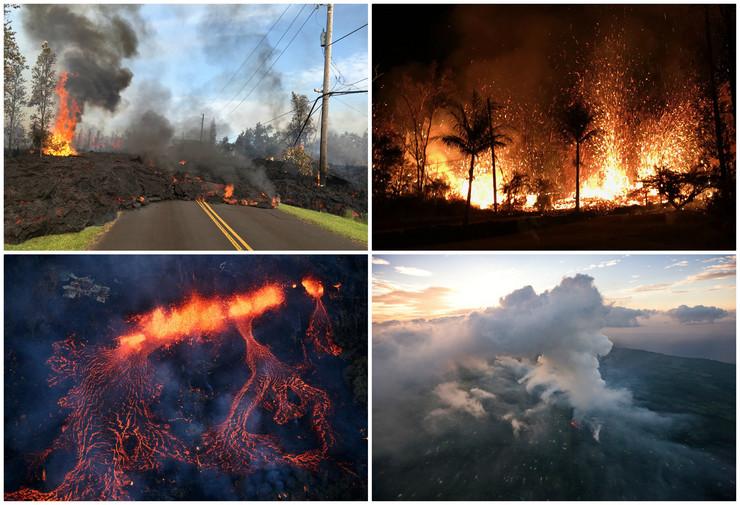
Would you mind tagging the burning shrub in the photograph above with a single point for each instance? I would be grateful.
(679, 188)
(299, 159)
(437, 189)
(515, 190)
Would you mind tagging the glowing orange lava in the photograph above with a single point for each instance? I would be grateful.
(320, 331)
(60, 141)
(112, 428)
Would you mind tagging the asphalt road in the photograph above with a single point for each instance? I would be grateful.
(188, 225)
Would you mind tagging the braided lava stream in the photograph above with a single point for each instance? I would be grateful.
(112, 427)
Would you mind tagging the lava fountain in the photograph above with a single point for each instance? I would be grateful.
(60, 141)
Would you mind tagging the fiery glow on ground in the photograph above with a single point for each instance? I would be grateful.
(112, 427)
(635, 138)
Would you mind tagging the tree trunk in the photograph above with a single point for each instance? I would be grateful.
(493, 170)
(578, 176)
(470, 189)
(11, 129)
(724, 185)
(493, 154)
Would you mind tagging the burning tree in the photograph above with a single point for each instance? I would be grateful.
(421, 100)
(471, 133)
(43, 83)
(578, 122)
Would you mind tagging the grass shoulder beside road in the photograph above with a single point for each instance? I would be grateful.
(76, 241)
(344, 226)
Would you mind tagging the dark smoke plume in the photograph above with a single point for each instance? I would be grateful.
(91, 46)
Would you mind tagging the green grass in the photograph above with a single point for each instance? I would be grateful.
(77, 241)
(347, 227)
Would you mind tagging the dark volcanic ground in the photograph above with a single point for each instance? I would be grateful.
(686, 453)
(65, 194)
(198, 380)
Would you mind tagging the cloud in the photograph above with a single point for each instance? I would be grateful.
(380, 261)
(621, 317)
(395, 303)
(678, 264)
(413, 271)
(454, 397)
(602, 264)
(725, 269)
(644, 288)
(697, 314)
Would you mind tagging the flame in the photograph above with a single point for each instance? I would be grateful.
(320, 330)
(197, 316)
(60, 142)
(314, 288)
(228, 191)
(636, 137)
(182, 162)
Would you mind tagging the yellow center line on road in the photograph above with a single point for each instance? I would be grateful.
(227, 230)
(221, 228)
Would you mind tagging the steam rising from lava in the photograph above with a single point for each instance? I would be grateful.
(112, 426)
(553, 340)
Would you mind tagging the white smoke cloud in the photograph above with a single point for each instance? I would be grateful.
(559, 330)
(454, 397)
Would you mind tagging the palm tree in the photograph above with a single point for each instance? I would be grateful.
(495, 139)
(577, 124)
(470, 127)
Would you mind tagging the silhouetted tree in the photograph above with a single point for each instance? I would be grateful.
(679, 188)
(43, 82)
(470, 126)
(437, 189)
(514, 189)
(301, 127)
(495, 139)
(421, 99)
(725, 186)
(578, 125)
(15, 83)
(388, 158)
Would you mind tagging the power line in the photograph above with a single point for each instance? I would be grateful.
(259, 67)
(346, 35)
(308, 118)
(353, 83)
(278, 117)
(351, 107)
(275, 61)
(264, 37)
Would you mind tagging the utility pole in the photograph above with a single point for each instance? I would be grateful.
(326, 42)
(202, 119)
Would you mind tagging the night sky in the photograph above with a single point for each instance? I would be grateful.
(457, 37)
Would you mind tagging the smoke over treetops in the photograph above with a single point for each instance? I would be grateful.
(91, 45)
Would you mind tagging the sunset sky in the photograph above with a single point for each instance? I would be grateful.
(426, 286)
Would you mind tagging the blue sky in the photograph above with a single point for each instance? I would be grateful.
(193, 50)
(409, 286)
